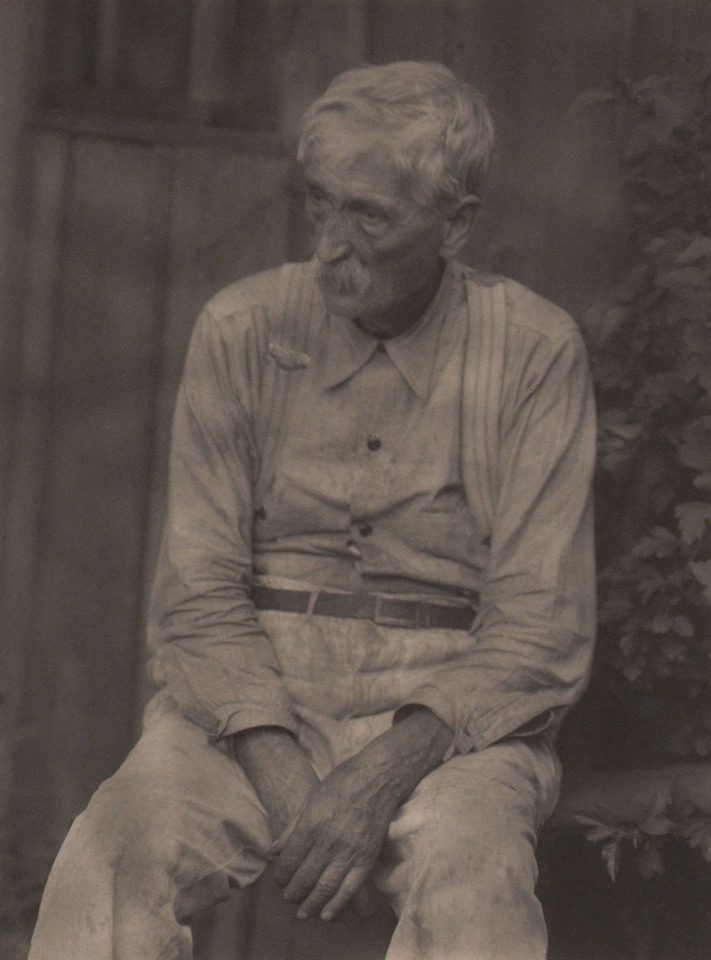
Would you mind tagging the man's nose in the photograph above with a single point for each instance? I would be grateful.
(333, 242)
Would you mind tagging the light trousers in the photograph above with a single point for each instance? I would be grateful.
(179, 823)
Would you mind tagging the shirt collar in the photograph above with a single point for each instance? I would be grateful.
(348, 348)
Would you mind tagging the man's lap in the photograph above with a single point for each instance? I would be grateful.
(212, 822)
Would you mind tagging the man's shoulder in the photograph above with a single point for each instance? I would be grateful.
(265, 296)
(522, 307)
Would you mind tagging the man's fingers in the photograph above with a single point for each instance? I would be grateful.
(325, 888)
(349, 888)
(292, 851)
(312, 871)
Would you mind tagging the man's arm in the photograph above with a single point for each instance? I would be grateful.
(208, 646)
(279, 770)
(535, 629)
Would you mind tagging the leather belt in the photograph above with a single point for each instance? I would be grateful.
(386, 611)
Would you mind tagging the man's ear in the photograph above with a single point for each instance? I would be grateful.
(458, 223)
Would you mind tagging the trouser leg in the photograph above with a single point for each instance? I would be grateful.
(459, 864)
(163, 838)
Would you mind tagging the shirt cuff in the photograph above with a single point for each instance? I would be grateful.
(476, 733)
(431, 699)
(235, 718)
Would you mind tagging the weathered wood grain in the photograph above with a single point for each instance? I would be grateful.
(82, 644)
(153, 48)
(23, 495)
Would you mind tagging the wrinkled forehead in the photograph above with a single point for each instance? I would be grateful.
(354, 141)
(339, 135)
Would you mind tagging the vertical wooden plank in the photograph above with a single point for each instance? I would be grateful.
(325, 37)
(70, 30)
(18, 49)
(154, 48)
(234, 50)
(82, 676)
(408, 30)
(107, 43)
(212, 67)
(26, 476)
(21, 792)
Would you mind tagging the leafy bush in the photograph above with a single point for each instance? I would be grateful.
(650, 340)
(650, 345)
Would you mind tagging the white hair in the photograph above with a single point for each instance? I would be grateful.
(441, 129)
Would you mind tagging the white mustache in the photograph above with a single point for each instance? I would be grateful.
(347, 277)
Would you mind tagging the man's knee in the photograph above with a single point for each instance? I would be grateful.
(125, 826)
(476, 815)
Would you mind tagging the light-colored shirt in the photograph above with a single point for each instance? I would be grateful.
(366, 490)
(304, 450)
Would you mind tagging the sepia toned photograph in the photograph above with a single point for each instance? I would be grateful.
(355, 479)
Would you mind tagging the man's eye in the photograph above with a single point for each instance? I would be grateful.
(372, 215)
(317, 196)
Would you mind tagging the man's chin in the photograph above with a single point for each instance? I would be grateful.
(350, 305)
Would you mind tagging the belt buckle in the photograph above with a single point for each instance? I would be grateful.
(420, 618)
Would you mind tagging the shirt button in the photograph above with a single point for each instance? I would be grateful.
(374, 442)
(365, 529)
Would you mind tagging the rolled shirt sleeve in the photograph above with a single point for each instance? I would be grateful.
(207, 645)
(534, 633)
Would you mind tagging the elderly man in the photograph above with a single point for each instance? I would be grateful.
(375, 597)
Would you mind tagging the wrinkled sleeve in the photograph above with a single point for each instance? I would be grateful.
(207, 646)
(534, 635)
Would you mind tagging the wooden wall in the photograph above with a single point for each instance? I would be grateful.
(159, 165)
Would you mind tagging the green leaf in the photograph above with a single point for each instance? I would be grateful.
(693, 519)
(660, 543)
(668, 246)
(601, 832)
(616, 422)
(699, 248)
(676, 652)
(654, 83)
(657, 823)
(647, 587)
(614, 608)
(611, 854)
(683, 277)
(587, 99)
(695, 451)
(628, 646)
(649, 861)
(683, 627)
(701, 569)
(632, 671)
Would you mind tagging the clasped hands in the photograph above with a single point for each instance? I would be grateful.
(323, 858)
(330, 833)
